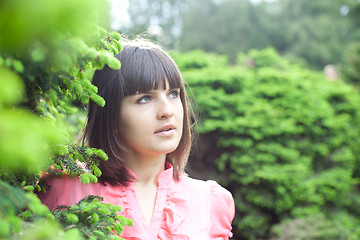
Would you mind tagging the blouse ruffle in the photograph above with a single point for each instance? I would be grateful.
(175, 212)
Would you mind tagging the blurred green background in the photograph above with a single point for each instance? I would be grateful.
(275, 85)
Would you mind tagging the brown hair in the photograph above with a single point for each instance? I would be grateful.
(144, 67)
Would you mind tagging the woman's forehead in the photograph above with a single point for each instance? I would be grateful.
(146, 84)
(163, 86)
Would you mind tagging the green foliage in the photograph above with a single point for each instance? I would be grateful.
(284, 139)
(75, 160)
(48, 53)
(351, 64)
(234, 26)
(13, 201)
(160, 20)
(314, 31)
(47, 230)
(94, 219)
(23, 23)
(340, 226)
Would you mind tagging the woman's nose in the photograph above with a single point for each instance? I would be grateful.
(165, 109)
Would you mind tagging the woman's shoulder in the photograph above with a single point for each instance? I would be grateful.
(66, 190)
(219, 196)
(212, 186)
(222, 210)
(216, 199)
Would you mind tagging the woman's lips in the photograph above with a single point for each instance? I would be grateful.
(167, 130)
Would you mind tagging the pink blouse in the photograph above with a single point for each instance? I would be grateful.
(187, 209)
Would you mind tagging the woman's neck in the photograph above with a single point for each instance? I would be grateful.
(146, 168)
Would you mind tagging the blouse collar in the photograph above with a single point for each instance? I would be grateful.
(166, 177)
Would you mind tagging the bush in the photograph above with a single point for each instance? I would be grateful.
(351, 64)
(340, 226)
(48, 52)
(284, 139)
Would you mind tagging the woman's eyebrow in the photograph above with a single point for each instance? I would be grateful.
(154, 90)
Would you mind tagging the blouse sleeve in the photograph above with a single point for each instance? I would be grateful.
(65, 191)
(222, 211)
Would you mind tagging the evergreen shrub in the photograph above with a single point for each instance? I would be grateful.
(48, 52)
(350, 67)
(285, 141)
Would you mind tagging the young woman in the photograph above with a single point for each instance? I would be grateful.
(145, 130)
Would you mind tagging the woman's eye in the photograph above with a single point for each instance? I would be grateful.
(174, 93)
(144, 99)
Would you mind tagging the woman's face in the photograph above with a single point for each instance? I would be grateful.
(152, 123)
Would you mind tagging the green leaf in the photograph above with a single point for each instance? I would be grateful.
(98, 100)
(29, 188)
(26, 214)
(94, 218)
(96, 170)
(12, 87)
(72, 218)
(84, 178)
(100, 153)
